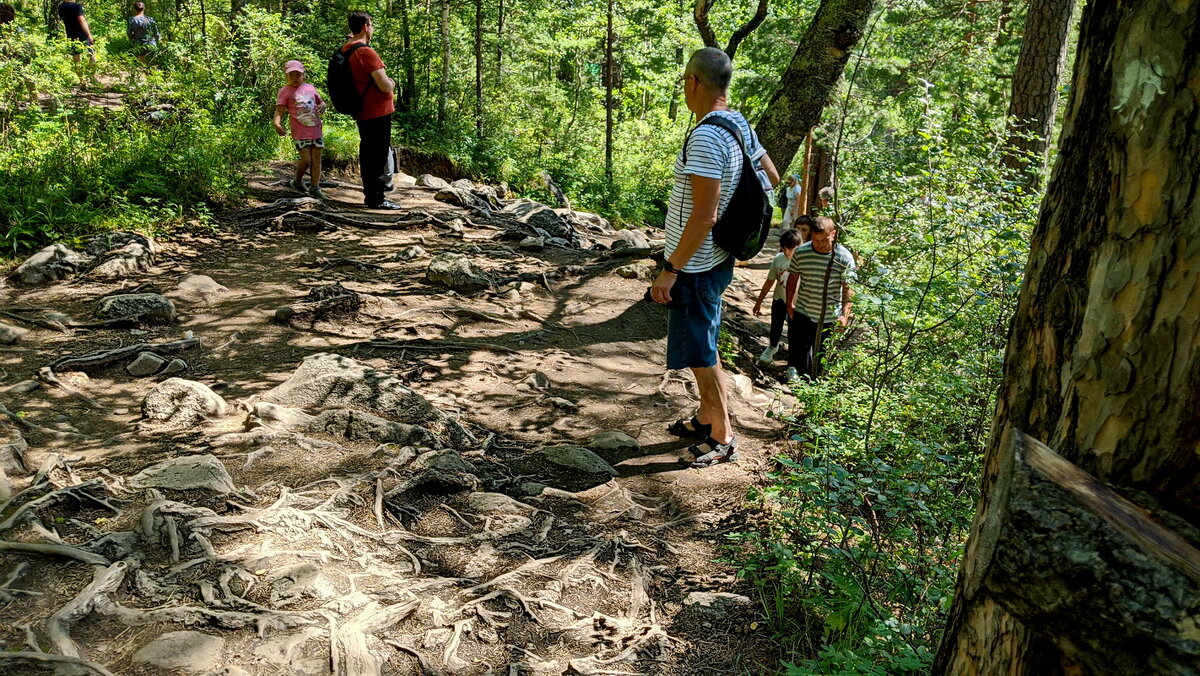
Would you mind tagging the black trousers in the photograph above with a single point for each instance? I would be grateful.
(778, 317)
(803, 354)
(374, 146)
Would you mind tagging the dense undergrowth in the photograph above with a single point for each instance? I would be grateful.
(863, 522)
(172, 147)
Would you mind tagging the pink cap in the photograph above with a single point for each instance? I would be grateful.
(293, 65)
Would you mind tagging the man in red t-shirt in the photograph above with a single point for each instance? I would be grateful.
(375, 119)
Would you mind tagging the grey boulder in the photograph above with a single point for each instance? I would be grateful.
(182, 402)
(51, 264)
(431, 181)
(199, 290)
(10, 334)
(360, 426)
(188, 651)
(330, 381)
(633, 238)
(187, 473)
(146, 308)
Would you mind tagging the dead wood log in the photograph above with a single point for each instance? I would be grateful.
(1114, 589)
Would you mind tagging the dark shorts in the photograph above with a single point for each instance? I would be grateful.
(694, 317)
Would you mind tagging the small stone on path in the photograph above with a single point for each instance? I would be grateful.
(457, 272)
(613, 442)
(532, 243)
(174, 366)
(146, 364)
(577, 457)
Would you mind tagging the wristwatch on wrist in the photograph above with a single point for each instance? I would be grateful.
(667, 267)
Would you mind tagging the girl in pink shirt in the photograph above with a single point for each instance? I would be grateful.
(303, 104)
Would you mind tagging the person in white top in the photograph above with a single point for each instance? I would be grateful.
(696, 271)
(777, 276)
(792, 194)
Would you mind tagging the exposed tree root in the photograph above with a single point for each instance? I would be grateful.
(106, 357)
(62, 664)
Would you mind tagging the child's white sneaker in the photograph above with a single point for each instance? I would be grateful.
(768, 354)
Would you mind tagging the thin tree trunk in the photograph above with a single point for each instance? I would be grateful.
(709, 36)
(1103, 366)
(500, 44)
(676, 90)
(811, 76)
(410, 74)
(444, 85)
(1035, 86)
(608, 99)
(479, 68)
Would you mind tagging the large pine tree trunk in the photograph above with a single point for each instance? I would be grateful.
(811, 76)
(1035, 85)
(1103, 366)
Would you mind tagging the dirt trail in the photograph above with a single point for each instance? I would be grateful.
(339, 551)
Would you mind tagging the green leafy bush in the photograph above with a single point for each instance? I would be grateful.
(864, 521)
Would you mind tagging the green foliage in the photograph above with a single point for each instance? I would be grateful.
(866, 518)
(173, 148)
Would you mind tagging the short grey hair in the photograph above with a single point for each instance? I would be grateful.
(825, 193)
(711, 67)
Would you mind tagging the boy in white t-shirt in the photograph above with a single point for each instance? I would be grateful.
(777, 277)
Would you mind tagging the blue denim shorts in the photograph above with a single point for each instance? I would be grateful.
(694, 317)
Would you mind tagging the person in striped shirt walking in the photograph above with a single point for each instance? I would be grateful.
(696, 270)
(818, 292)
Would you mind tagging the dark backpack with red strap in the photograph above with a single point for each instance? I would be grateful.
(744, 227)
(339, 80)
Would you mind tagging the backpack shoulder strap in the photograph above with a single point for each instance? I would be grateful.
(729, 126)
(352, 49)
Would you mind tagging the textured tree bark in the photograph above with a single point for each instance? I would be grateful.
(811, 76)
(1103, 359)
(1035, 86)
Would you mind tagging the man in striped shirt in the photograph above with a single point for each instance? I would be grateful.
(697, 271)
(818, 291)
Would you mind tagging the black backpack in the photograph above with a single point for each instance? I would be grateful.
(782, 200)
(744, 227)
(339, 80)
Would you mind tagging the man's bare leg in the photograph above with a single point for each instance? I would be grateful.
(714, 402)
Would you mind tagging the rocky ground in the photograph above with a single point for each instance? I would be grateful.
(331, 440)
